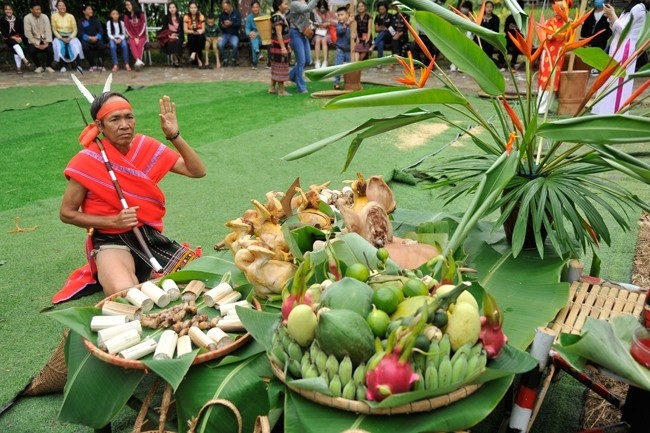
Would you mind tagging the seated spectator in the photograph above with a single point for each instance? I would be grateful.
(92, 39)
(14, 36)
(194, 28)
(363, 41)
(116, 34)
(67, 48)
(254, 34)
(510, 27)
(38, 32)
(383, 25)
(323, 19)
(211, 40)
(230, 23)
(135, 24)
(171, 35)
(490, 22)
(400, 34)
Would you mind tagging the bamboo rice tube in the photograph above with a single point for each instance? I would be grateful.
(228, 299)
(193, 290)
(220, 337)
(98, 323)
(139, 299)
(200, 339)
(230, 324)
(213, 295)
(170, 287)
(230, 308)
(108, 333)
(122, 341)
(155, 293)
(112, 308)
(183, 345)
(141, 349)
(166, 345)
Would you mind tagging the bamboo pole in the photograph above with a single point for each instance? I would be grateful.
(572, 56)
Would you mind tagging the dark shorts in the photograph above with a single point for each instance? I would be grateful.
(103, 241)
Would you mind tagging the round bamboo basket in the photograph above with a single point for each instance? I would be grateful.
(363, 408)
(139, 365)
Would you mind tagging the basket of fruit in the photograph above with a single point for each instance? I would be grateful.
(382, 344)
(160, 322)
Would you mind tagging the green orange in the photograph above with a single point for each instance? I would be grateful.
(358, 271)
(414, 287)
(378, 321)
(386, 299)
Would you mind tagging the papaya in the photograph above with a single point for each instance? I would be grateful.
(348, 294)
(344, 333)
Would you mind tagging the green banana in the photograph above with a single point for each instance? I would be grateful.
(444, 372)
(476, 349)
(359, 375)
(278, 355)
(306, 359)
(482, 362)
(311, 373)
(294, 368)
(445, 347)
(472, 364)
(419, 384)
(433, 355)
(464, 349)
(335, 386)
(361, 392)
(294, 351)
(345, 370)
(321, 362)
(459, 369)
(304, 366)
(314, 349)
(419, 361)
(431, 376)
(349, 391)
(332, 366)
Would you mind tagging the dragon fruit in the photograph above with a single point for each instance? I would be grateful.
(390, 376)
(492, 335)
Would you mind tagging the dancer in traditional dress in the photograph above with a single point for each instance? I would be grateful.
(280, 48)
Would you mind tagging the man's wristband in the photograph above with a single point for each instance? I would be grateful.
(175, 136)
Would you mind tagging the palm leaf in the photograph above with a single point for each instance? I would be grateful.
(594, 130)
(332, 71)
(398, 96)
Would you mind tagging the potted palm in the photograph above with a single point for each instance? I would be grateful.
(544, 174)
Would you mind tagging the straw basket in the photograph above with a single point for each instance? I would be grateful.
(263, 24)
(53, 376)
(363, 408)
(139, 365)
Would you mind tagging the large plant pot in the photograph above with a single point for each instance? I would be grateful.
(353, 80)
(572, 91)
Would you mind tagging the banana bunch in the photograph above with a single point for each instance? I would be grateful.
(342, 377)
(444, 369)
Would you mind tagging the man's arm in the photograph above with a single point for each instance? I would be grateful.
(69, 213)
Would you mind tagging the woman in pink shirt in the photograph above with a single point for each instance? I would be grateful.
(136, 28)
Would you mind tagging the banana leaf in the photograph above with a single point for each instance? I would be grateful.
(174, 370)
(78, 319)
(332, 71)
(95, 391)
(594, 57)
(394, 96)
(463, 52)
(301, 240)
(643, 72)
(240, 383)
(494, 38)
(210, 269)
(605, 129)
(606, 343)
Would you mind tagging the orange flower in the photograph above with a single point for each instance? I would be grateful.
(409, 77)
(590, 230)
(560, 10)
(513, 115)
(511, 141)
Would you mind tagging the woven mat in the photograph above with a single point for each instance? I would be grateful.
(597, 301)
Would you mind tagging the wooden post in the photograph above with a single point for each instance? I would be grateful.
(352, 79)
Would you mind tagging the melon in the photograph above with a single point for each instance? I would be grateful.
(344, 333)
(348, 294)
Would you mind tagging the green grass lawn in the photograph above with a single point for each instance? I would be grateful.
(241, 133)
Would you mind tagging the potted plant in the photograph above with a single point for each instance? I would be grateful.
(544, 173)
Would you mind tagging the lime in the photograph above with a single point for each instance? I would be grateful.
(378, 322)
(358, 271)
(414, 287)
(382, 254)
(385, 299)
(398, 291)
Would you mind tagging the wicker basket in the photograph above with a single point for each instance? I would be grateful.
(139, 365)
(363, 408)
(53, 376)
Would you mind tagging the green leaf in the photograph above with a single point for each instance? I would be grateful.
(594, 57)
(643, 72)
(607, 343)
(518, 14)
(78, 319)
(260, 324)
(398, 96)
(317, 384)
(210, 269)
(95, 391)
(332, 71)
(496, 39)
(463, 52)
(250, 349)
(240, 383)
(301, 239)
(604, 129)
(511, 360)
(172, 370)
